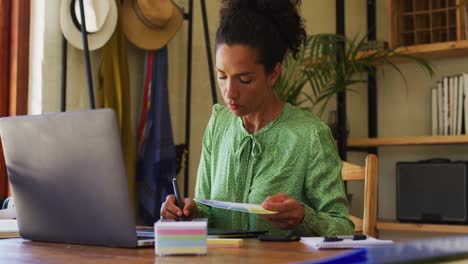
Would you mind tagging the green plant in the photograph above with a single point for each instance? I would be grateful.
(329, 69)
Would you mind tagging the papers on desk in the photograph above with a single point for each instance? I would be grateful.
(8, 228)
(242, 207)
(9, 213)
(319, 243)
(433, 250)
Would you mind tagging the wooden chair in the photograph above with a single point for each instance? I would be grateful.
(369, 174)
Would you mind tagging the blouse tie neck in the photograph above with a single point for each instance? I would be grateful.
(256, 146)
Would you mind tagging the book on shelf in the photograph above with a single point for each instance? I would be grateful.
(460, 89)
(440, 113)
(449, 106)
(435, 116)
(445, 103)
(465, 100)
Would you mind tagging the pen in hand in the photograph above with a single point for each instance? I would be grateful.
(177, 197)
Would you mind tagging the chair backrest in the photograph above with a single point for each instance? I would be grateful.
(369, 174)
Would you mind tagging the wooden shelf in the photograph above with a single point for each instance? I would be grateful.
(396, 226)
(403, 141)
(433, 51)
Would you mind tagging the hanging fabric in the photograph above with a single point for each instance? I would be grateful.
(14, 67)
(114, 92)
(145, 102)
(156, 165)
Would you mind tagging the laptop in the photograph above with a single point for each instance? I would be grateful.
(68, 178)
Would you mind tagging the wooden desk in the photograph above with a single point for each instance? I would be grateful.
(23, 251)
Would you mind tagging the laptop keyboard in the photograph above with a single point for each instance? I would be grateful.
(145, 234)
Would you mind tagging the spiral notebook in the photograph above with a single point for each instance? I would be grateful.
(319, 243)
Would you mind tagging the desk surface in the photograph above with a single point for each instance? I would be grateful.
(253, 251)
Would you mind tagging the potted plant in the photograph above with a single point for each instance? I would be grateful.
(322, 68)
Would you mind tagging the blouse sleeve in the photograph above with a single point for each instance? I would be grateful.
(327, 213)
(203, 183)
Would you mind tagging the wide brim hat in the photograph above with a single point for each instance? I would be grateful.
(150, 24)
(101, 20)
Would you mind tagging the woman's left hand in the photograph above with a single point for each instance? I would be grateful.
(290, 212)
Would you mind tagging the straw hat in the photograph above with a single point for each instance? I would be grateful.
(100, 17)
(150, 24)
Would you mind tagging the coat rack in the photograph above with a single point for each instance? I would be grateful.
(89, 77)
(188, 16)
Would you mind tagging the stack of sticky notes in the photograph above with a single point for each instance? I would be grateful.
(180, 237)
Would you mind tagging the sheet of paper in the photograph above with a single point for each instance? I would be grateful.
(8, 225)
(9, 213)
(242, 207)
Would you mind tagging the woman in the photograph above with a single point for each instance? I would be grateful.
(258, 149)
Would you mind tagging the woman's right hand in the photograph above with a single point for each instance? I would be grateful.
(170, 210)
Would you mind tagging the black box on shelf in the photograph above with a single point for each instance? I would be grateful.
(432, 191)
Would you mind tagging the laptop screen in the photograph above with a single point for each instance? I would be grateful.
(68, 178)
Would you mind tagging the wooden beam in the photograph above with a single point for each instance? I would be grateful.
(4, 56)
(408, 227)
(19, 57)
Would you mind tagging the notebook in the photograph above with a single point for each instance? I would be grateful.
(320, 243)
(8, 228)
(68, 178)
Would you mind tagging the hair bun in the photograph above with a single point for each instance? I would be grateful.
(282, 13)
(275, 6)
(271, 26)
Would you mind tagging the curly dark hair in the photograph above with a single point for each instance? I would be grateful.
(269, 26)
